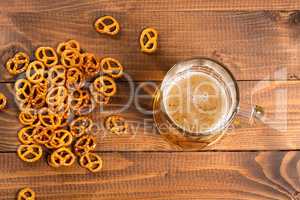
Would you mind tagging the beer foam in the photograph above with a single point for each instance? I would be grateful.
(196, 102)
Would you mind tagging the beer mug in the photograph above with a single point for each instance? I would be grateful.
(197, 101)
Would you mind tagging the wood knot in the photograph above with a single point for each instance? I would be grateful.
(294, 18)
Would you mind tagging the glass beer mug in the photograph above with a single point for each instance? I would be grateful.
(195, 104)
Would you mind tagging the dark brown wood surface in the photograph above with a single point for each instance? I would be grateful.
(259, 41)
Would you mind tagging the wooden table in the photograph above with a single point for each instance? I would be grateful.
(258, 40)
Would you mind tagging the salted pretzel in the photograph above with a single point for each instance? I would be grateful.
(91, 161)
(71, 58)
(26, 194)
(90, 65)
(105, 85)
(30, 152)
(18, 63)
(148, 40)
(98, 97)
(107, 25)
(25, 135)
(112, 67)
(81, 125)
(27, 117)
(3, 101)
(42, 135)
(62, 157)
(49, 118)
(22, 89)
(47, 55)
(85, 144)
(116, 124)
(35, 72)
(57, 75)
(74, 78)
(60, 138)
(69, 45)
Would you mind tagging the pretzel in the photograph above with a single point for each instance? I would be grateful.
(35, 72)
(116, 124)
(25, 135)
(49, 118)
(57, 75)
(111, 67)
(27, 117)
(91, 161)
(74, 78)
(98, 97)
(18, 63)
(71, 58)
(69, 45)
(26, 194)
(105, 85)
(22, 89)
(148, 40)
(80, 126)
(77, 97)
(60, 138)
(42, 135)
(37, 96)
(86, 107)
(107, 25)
(85, 144)
(3, 101)
(62, 157)
(30, 152)
(90, 64)
(56, 96)
(47, 55)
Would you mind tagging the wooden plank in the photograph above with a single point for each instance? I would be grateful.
(160, 176)
(150, 5)
(254, 45)
(279, 129)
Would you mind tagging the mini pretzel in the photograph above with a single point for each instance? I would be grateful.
(80, 126)
(91, 161)
(56, 96)
(3, 101)
(98, 97)
(74, 78)
(69, 45)
(116, 124)
(26, 194)
(47, 55)
(18, 63)
(107, 25)
(90, 64)
(62, 157)
(85, 144)
(111, 67)
(61, 138)
(42, 135)
(57, 75)
(27, 117)
(35, 72)
(86, 107)
(148, 40)
(48, 118)
(25, 135)
(22, 89)
(71, 58)
(37, 96)
(105, 85)
(77, 97)
(30, 152)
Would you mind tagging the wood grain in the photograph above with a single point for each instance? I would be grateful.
(278, 129)
(254, 45)
(151, 5)
(161, 176)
